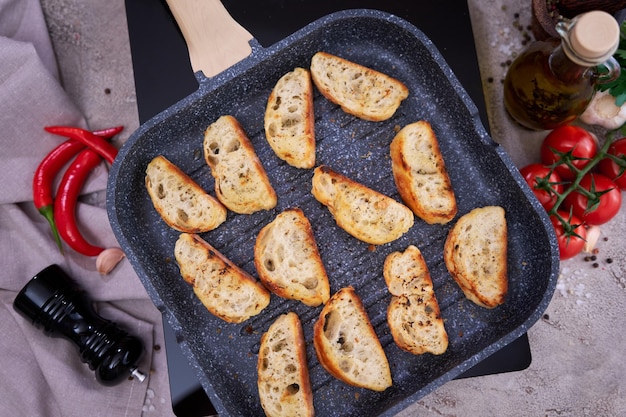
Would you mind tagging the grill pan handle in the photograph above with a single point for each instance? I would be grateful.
(215, 41)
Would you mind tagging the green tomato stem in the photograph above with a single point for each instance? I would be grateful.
(48, 213)
(575, 185)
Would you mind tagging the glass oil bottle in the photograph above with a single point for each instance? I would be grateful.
(551, 83)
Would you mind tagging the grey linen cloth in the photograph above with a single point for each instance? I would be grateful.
(41, 375)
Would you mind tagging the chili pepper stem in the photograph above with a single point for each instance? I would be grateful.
(48, 213)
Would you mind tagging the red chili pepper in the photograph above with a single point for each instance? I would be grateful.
(49, 167)
(44, 178)
(109, 132)
(65, 202)
(95, 142)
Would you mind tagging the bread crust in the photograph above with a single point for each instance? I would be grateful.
(226, 290)
(475, 253)
(359, 90)
(362, 212)
(283, 374)
(413, 314)
(289, 119)
(288, 261)
(181, 202)
(347, 345)
(241, 183)
(420, 173)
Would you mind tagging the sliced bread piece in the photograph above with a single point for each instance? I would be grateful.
(241, 183)
(226, 290)
(283, 373)
(179, 200)
(288, 261)
(359, 90)
(347, 345)
(475, 253)
(420, 173)
(362, 212)
(289, 119)
(413, 314)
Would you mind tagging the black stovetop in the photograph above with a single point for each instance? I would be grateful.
(163, 76)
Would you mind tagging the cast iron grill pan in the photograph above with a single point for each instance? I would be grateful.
(224, 355)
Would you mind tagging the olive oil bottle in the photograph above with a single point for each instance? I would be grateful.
(551, 83)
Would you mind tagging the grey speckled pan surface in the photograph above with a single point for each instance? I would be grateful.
(224, 355)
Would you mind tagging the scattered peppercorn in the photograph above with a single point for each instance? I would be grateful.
(107, 91)
(609, 260)
(595, 265)
(157, 347)
(546, 317)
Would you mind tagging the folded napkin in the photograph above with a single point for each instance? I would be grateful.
(41, 375)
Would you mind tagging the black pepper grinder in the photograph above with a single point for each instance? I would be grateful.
(52, 301)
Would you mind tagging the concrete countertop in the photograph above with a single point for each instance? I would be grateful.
(578, 347)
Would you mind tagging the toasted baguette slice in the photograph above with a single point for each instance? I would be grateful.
(475, 253)
(289, 119)
(227, 291)
(420, 174)
(283, 374)
(241, 183)
(360, 91)
(413, 314)
(180, 202)
(288, 261)
(347, 345)
(362, 212)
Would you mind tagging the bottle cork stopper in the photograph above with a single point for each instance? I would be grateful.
(595, 36)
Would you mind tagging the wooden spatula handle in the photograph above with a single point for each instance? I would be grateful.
(214, 39)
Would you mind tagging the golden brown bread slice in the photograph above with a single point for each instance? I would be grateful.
(226, 290)
(413, 314)
(359, 90)
(475, 253)
(180, 202)
(241, 183)
(283, 374)
(287, 259)
(362, 212)
(347, 345)
(420, 173)
(289, 119)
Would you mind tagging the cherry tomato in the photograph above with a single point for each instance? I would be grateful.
(572, 245)
(609, 168)
(609, 202)
(565, 139)
(532, 173)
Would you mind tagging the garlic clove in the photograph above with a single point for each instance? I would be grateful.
(593, 234)
(602, 111)
(108, 260)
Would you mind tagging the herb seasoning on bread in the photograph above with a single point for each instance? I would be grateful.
(359, 90)
(347, 345)
(289, 119)
(362, 212)
(180, 202)
(241, 183)
(283, 374)
(420, 174)
(475, 253)
(288, 261)
(413, 314)
(226, 290)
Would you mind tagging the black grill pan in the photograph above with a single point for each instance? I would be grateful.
(224, 355)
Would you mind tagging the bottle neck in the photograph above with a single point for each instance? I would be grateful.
(564, 68)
